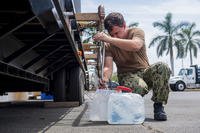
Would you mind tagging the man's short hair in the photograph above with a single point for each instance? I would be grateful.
(113, 19)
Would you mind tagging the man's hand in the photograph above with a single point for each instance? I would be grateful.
(103, 84)
(101, 37)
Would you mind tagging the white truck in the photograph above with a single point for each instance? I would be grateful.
(187, 78)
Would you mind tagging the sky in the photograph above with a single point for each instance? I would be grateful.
(145, 12)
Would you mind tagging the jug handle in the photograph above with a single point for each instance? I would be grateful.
(123, 89)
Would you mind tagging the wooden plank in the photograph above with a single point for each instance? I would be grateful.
(87, 17)
(87, 24)
(87, 46)
(90, 56)
(61, 104)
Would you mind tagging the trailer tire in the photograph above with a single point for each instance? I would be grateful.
(77, 85)
(59, 85)
(180, 86)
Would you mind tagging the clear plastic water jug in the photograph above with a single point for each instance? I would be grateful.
(98, 106)
(126, 108)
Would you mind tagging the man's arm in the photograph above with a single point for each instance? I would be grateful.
(107, 71)
(133, 44)
(108, 68)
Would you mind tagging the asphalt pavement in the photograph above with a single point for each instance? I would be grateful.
(183, 111)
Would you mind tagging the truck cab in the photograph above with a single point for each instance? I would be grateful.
(186, 78)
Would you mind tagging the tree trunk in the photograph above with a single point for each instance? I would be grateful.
(171, 55)
(172, 60)
(191, 62)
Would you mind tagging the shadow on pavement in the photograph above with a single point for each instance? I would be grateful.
(29, 117)
(82, 121)
(150, 120)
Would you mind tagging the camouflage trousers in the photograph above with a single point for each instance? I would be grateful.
(155, 78)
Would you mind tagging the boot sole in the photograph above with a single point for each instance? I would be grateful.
(163, 118)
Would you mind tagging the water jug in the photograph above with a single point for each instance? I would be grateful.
(98, 105)
(125, 108)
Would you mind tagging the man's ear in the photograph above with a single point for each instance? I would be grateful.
(124, 24)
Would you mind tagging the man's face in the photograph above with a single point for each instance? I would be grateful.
(118, 32)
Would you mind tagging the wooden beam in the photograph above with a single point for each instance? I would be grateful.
(87, 46)
(87, 17)
(87, 24)
(90, 56)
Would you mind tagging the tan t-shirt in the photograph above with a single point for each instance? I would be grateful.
(129, 61)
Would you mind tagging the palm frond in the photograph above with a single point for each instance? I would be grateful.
(180, 35)
(162, 47)
(180, 49)
(161, 26)
(168, 18)
(198, 43)
(194, 50)
(133, 24)
(159, 51)
(182, 25)
(192, 26)
(170, 44)
(156, 40)
(196, 33)
(187, 47)
(164, 42)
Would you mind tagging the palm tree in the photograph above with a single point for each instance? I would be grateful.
(191, 39)
(168, 40)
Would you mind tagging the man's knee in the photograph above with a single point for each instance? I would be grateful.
(159, 68)
(164, 70)
(137, 85)
(133, 81)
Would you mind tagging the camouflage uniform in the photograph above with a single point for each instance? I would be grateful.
(155, 77)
